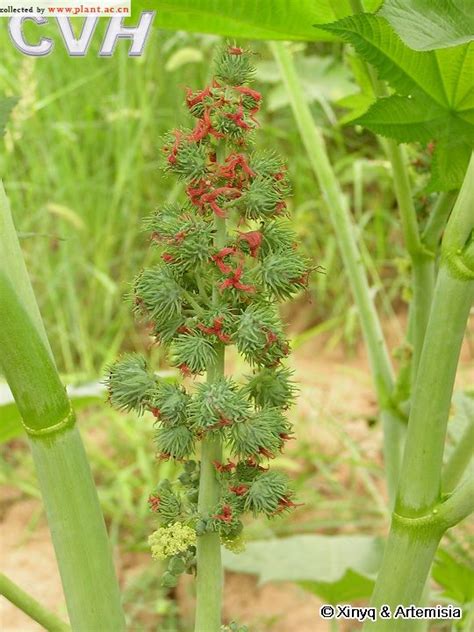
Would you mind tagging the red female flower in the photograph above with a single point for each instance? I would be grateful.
(233, 161)
(154, 502)
(211, 197)
(203, 128)
(238, 118)
(286, 503)
(185, 370)
(219, 257)
(173, 152)
(266, 453)
(192, 98)
(220, 467)
(216, 329)
(254, 240)
(225, 515)
(239, 490)
(234, 281)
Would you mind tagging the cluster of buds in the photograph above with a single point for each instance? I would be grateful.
(213, 288)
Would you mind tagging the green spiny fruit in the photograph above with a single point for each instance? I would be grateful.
(226, 255)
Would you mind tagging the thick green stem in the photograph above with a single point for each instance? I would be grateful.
(30, 606)
(72, 506)
(345, 232)
(209, 580)
(420, 482)
(70, 498)
(405, 566)
(421, 517)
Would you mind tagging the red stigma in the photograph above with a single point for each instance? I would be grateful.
(225, 515)
(239, 490)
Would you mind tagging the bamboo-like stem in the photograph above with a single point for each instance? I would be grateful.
(72, 506)
(345, 231)
(420, 482)
(406, 564)
(209, 579)
(27, 604)
(459, 460)
(421, 517)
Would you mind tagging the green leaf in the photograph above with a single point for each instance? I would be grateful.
(456, 579)
(336, 568)
(350, 587)
(449, 165)
(250, 19)
(429, 24)
(6, 106)
(404, 119)
(435, 94)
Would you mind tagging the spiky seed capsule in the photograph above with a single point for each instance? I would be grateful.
(202, 295)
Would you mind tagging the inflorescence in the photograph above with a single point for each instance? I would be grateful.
(209, 292)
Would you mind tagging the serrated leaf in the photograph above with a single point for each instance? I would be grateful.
(323, 561)
(430, 24)
(357, 104)
(404, 119)
(250, 19)
(456, 579)
(435, 94)
(449, 164)
(6, 106)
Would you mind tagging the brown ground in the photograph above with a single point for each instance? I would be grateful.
(332, 384)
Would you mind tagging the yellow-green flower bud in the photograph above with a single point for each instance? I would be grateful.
(171, 540)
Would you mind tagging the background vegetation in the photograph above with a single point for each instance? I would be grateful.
(80, 162)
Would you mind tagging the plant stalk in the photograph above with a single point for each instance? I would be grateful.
(422, 260)
(345, 232)
(30, 606)
(209, 579)
(72, 507)
(421, 517)
(405, 566)
(420, 482)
